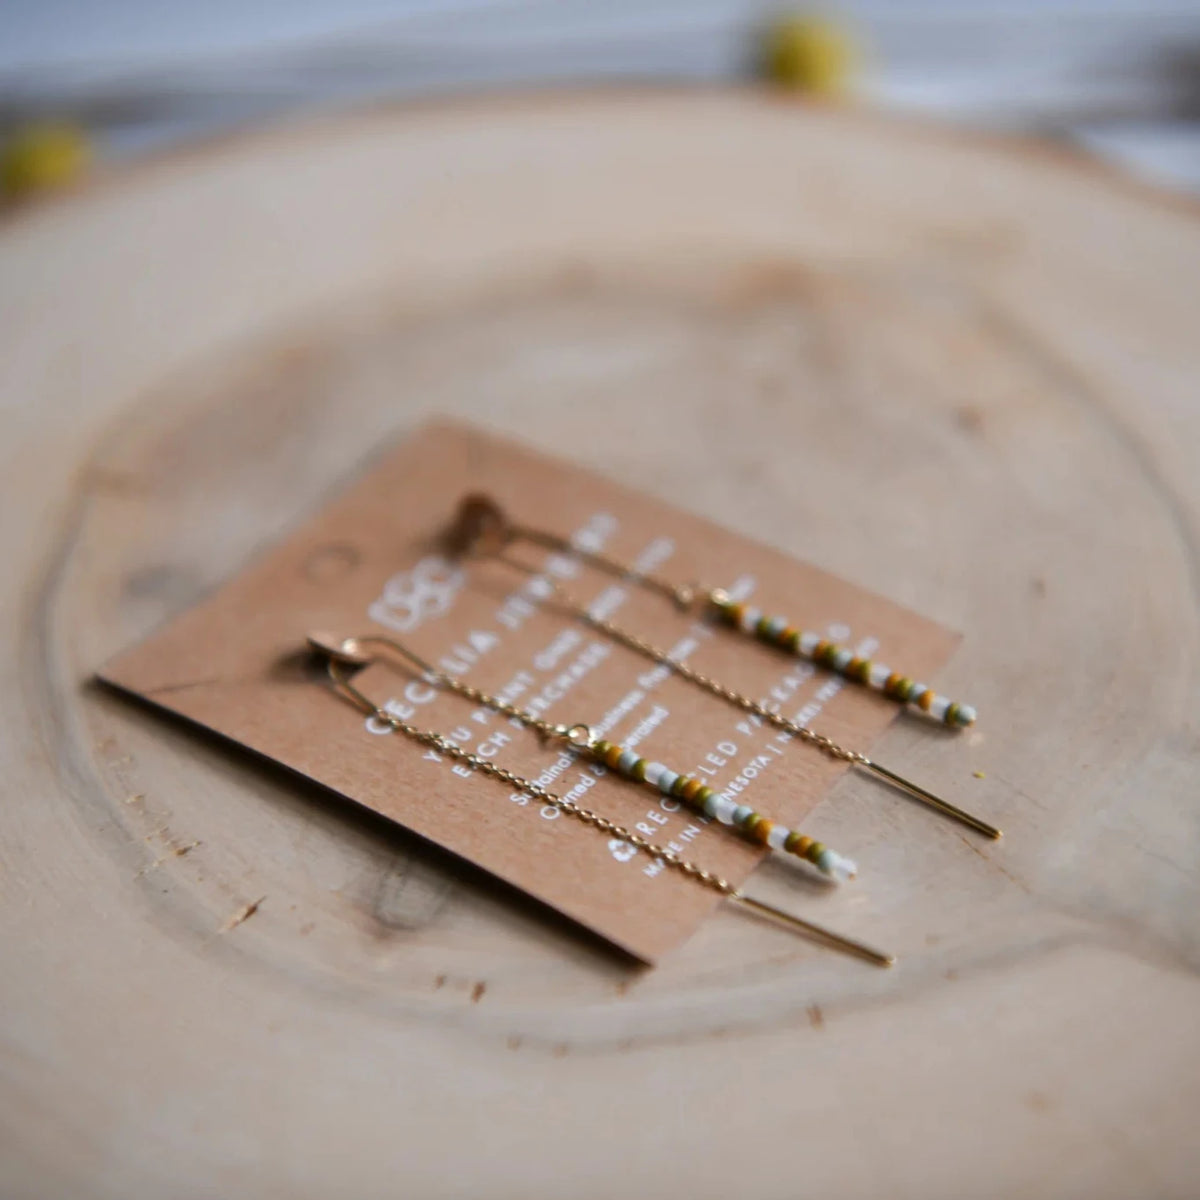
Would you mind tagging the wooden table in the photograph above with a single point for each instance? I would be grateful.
(963, 374)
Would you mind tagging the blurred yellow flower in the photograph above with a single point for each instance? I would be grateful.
(41, 157)
(813, 55)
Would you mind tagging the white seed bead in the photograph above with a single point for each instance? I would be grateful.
(724, 810)
(937, 710)
(750, 618)
(845, 869)
(879, 674)
(966, 714)
(711, 805)
(626, 761)
(808, 642)
(742, 813)
(918, 688)
(777, 836)
(776, 625)
(667, 780)
(654, 771)
(835, 866)
(841, 658)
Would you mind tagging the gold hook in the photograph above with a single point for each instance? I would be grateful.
(351, 652)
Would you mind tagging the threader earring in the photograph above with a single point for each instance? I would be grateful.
(482, 524)
(345, 655)
(581, 739)
(487, 544)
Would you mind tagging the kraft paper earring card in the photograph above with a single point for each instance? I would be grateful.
(217, 665)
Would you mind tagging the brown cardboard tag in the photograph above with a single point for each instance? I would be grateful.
(369, 563)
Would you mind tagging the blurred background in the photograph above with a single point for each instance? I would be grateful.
(86, 81)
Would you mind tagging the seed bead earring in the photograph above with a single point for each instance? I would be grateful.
(482, 526)
(579, 737)
(344, 656)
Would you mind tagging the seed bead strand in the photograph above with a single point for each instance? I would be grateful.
(776, 631)
(696, 795)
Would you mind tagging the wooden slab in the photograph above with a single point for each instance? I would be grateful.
(961, 374)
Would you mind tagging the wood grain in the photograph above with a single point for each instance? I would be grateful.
(959, 375)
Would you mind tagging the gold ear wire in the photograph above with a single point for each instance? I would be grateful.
(343, 654)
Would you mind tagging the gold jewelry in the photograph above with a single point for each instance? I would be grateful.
(344, 655)
(482, 525)
(483, 529)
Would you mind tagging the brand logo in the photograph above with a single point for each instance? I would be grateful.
(411, 597)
